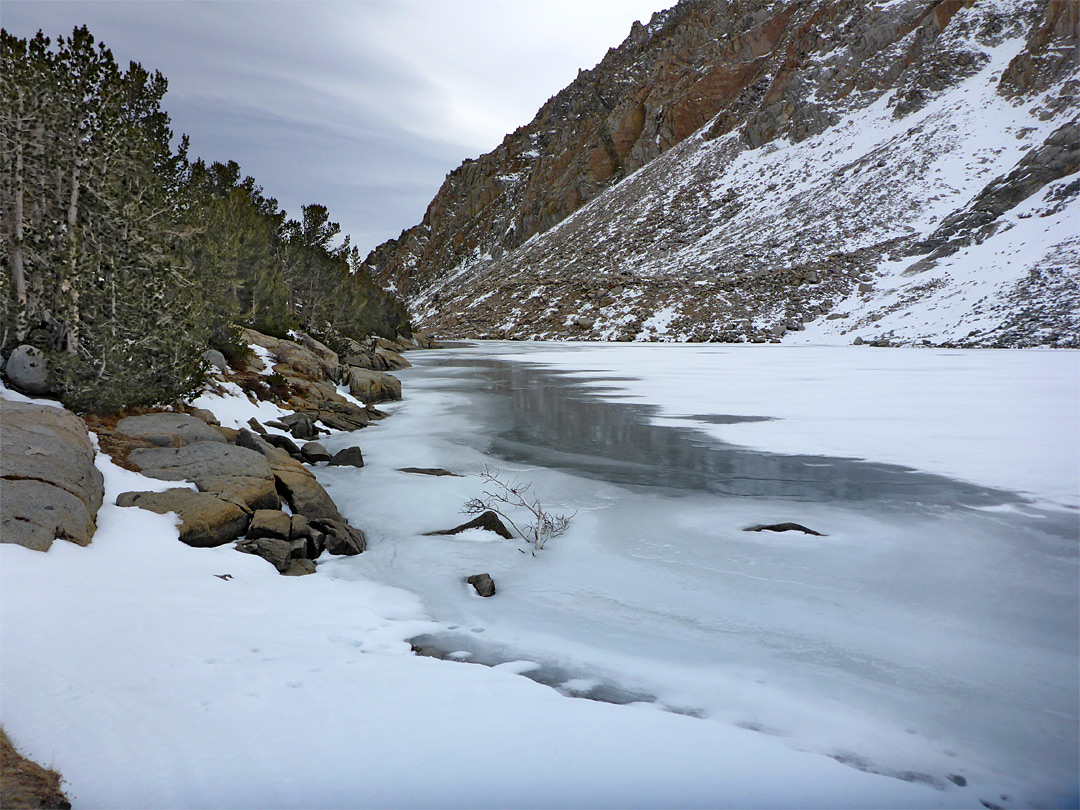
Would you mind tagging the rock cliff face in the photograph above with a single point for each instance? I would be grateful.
(737, 170)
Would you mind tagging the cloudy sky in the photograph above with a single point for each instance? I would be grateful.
(361, 106)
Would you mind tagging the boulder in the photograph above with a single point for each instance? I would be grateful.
(349, 457)
(394, 361)
(51, 487)
(488, 521)
(427, 342)
(483, 583)
(314, 453)
(255, 425)
(168, 429)
(299, 568)
(306, 496)
(284, 443)
(383, 343)
(349, 419)
(341, 538)
(301, 426)
(316, 362)
(28, 370)
(275, 456)
(302, 529)
(216, 359)
(270, 523)
(279, 553)
(373, 386)
(367, 359)
(234, 473)
(205, 520)
(205, 415)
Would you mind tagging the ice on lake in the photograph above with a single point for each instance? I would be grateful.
(931, 633)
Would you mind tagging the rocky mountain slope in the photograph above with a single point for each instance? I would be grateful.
(897, 171)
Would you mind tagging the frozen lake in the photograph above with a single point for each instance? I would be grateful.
(930, 634)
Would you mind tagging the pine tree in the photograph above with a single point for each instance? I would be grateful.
(94, 271)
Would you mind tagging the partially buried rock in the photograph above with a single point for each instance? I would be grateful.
(299, 568)
(341, 538)
(435, 471)
(483, 583)
(205, 520)
(314, 453)
(783, 527)
(488, 521)
(349, 457)
(279, 553)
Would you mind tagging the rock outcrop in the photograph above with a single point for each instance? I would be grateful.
(51, 488)
(232, 473)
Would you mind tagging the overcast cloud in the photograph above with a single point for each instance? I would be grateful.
(361, 106)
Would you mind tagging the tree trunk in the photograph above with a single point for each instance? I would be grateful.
(72, 343)
(18, 270)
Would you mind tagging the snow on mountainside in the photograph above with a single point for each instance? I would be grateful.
(897, 171)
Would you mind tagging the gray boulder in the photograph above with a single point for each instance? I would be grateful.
(169, 429)
(234, 473)
(349, 457)
(206, 521)
(314, 453)
(28, 370)
(51, 487)
(216, 359)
